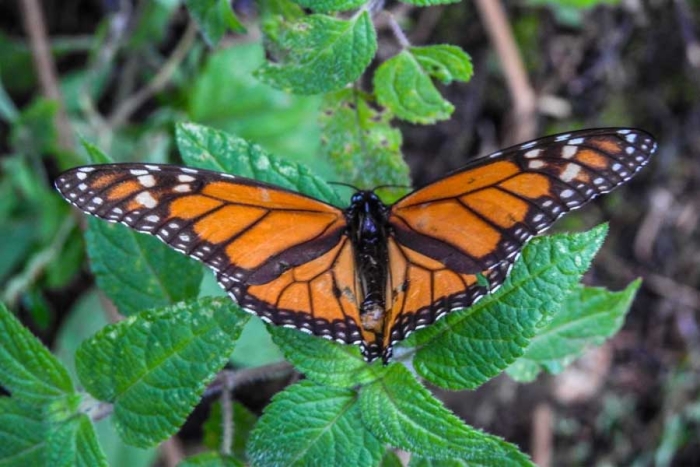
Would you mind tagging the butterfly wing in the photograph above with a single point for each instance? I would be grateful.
(279, 254)
(477, 219)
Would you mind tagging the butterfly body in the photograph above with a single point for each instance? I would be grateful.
(372, 273)
(368, 231)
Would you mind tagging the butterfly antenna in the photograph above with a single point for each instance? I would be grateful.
(345, 184)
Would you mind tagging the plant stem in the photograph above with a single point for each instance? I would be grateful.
(35, 27)
(130, 105)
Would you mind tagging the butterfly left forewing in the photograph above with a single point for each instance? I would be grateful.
(279, 254)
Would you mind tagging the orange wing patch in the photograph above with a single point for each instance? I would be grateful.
(319, 297)
(482, 215)
(422, 290)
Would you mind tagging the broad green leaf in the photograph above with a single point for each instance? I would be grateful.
(211, 149)
(361, 143)
(405, 88)
(469, 347)
(85, 318)
(331, 6)
(17, 239)
(307, 422)
(243, 423)
(22, 434)
(211, 459)
(322, 54)
(324, 361)
(89, 451)
(402, 413)
(214, 18)
(446, 63)
(27, 369)
(72, 442)
(226, 96)
(68, 263)
(119, 453)
(138, 271)
(586, 318)
(155, 366)
(255, 346)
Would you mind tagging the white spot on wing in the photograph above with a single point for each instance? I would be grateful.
(138, 172)
(185, 178)
(147, 181)
(533, 153)
(570, 172)
(81, 175)
(567, 152)
(182, 188)
(536, 164)
(146, 200)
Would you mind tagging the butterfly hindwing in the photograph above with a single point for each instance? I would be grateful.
(277, 253)
(483, 214)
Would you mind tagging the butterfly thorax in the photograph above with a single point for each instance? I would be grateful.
(367, 229)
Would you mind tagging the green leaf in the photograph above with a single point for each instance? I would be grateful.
(89, 450)
(214, 18)
(27, 369)
(322, 54)
(307, 422)
(403, 413)
(211, 459)
(390, 459)
(324, 361)
(226, 96)
(587, 317)
(467, 348)
(446, 63)
(361, 143)
(403, 87)
(211, 149)
(119, 453)
(85, 318)
(331, 6)
(138, 271)
(72, 442)
(95, 154)
(243, 423)
(417, 461)
(155, 366)
(22, 434)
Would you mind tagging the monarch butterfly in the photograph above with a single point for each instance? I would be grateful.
(372, 273)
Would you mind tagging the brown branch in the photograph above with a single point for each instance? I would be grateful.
(542, 434)
(35, 28)
(524, 116)
(162, 78)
